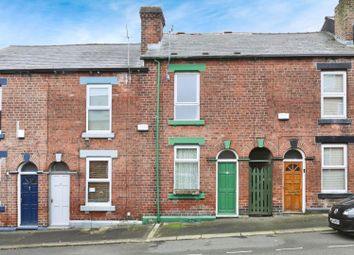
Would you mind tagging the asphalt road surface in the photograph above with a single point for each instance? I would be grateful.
(322, 243)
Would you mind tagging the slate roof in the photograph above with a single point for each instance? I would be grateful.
(75, 56)
(206, 45)
(180, 45)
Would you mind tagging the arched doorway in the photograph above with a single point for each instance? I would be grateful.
(59, 198)
(227, 184)
(28, 195)
(260, 182)
(293, 181)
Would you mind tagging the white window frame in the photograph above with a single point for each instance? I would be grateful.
(109, 107)
(88, 180)
(176, 147)
(334, 95)
(197, 103)
(345, 166)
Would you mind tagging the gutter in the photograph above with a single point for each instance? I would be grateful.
(157, 163)
(70, 70)
(260, 56)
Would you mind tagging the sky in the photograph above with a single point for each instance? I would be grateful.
(40, 22)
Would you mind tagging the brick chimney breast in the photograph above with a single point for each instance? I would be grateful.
(152, 24)
(344, 19)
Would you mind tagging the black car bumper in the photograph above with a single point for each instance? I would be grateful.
(345, 225)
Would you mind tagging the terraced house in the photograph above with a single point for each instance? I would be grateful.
(70, 146)
(183, 126)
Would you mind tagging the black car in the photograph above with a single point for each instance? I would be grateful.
(341, 215)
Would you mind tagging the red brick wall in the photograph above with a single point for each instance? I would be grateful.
(240, 100)
(132, 171)
(24, 100)
(52, 110)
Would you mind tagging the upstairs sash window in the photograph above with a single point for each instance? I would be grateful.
(186, 100)
(333, 95)
(99, 108)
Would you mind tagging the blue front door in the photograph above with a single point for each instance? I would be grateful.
(29, 200)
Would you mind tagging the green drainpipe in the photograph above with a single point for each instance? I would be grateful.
(157, 170)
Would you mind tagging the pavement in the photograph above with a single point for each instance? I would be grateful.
(138, 233)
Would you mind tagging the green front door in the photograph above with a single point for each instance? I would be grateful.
(226, 188)
(260, 190)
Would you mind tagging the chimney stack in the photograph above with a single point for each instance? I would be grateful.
(152, 23)
(344, 20)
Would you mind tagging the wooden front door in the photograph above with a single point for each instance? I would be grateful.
(59, 200)
(227, 188)
(293, 186)
(260, 190)
(29, 200)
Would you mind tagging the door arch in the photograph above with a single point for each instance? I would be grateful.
(28, 195)
(59, 194)
(294, 181)
(260, 200)
(227, 184)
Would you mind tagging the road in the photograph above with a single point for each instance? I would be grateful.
(305, 243)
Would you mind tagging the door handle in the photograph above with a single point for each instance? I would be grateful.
(51, 200)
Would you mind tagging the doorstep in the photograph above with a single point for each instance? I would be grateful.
(27, 228)
(7, 229)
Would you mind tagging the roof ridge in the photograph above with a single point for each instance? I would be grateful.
(77, 44)
(291, 33)
(242, 33)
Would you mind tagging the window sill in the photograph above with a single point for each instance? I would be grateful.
(186, 122)
(103, 135)
(333, 195)
(97, 208)
(334, 121)
(186, 140)
(186, 196)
